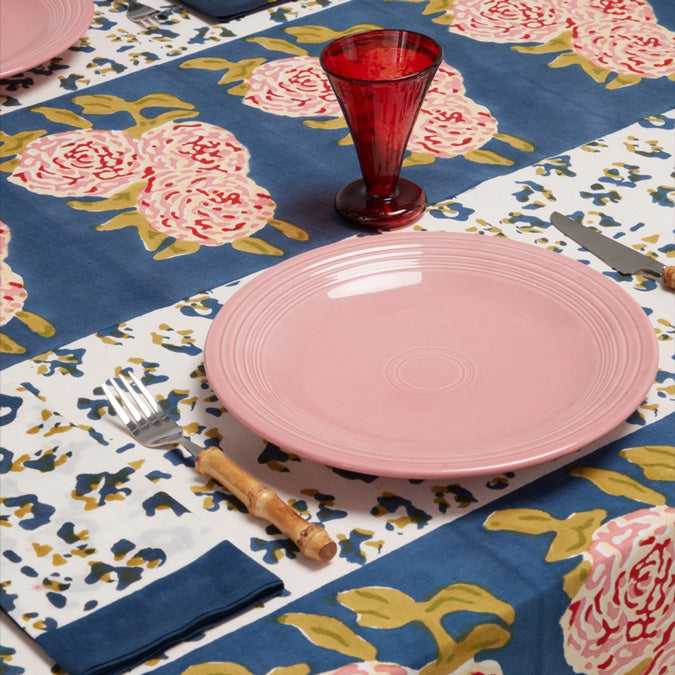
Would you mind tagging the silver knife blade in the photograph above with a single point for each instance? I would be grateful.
(618, 256)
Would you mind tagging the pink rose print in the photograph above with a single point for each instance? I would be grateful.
(370, 668)
(377, 668)
(193, 146)
(622, 617)
(479, 668)
(509, 20)
(446, 81)
(627, 47)
(621, 10)
(4, 240)
(451, 126)
(294, 87)
(12, 293)
(79, 163)
(208, 208)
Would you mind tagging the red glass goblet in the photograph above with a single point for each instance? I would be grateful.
(380, 78)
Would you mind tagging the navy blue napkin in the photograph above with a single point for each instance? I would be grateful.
(216, 586)
(228, 9)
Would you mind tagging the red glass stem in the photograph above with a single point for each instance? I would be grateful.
(380, 116)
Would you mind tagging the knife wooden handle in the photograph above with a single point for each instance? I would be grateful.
(668, 274)
(261, 501)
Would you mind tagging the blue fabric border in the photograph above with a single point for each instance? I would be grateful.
(509, 565)
(74, 274)
(221, 583)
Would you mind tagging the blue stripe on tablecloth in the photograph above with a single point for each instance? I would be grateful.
(83, 280)
(219, 584)
(509, 565)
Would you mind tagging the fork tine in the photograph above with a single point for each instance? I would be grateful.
(119, 410)
(127, 403)
(143, 390)
(148, 412)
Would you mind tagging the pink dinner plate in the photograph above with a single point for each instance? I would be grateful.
(426, 355)
(33, 31)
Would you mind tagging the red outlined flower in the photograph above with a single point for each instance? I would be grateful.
(618, 10)
(509, 20)
(644, 49)
(621, 620)
(208, 208)
(12, 292)
(451, 126)
(294, 87)
(193, 146)
(79, 163)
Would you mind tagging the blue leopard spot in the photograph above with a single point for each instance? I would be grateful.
(56, 599)
(7, 599)
(6, 457)
(122, 548)
(12, 556)
(9, 405)
(31, 512)
(160, 501)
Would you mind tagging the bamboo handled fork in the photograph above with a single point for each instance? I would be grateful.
(152, 426)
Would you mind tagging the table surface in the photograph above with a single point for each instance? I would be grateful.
(506, 572)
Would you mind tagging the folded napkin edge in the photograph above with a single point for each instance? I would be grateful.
(218, 585)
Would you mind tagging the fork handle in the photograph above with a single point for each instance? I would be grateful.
(263, 502)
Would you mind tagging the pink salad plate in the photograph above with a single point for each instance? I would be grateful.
(33, 31)
(427, 355)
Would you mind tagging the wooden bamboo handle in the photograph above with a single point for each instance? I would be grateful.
(668, 274)
(261, 501)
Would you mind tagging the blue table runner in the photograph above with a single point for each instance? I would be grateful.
(85, 264)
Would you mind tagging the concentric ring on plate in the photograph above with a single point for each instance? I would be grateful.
(424, 355)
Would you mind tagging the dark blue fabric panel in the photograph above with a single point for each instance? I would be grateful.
(511, 566)
(219, 584)
(82, 280)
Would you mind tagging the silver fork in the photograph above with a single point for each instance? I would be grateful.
(142, 415)
(140, 13)
(152, 426)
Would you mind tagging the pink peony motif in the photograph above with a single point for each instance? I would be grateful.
(4, 240)
(446, 81)
(509, 20)
(370, 668)
(79, 163)
(294, 87)
(479, 668)
(193, 146)
(451, 126)
(621, 620)
(627, 47)
(471, 667)
(208, 208)
(620, 10)
(12, 293)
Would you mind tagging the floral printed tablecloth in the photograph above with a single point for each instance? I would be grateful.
(570, 570)
(201, 170)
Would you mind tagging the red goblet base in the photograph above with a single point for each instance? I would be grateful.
(403, 207)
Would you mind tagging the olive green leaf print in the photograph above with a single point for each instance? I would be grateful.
(572, 534)
(330, 633)
(181, 184)
(228, 668)
(450, 124)
(618, 47)
(13, 293)
(656, 461)
(619, 485)
(389, 608)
